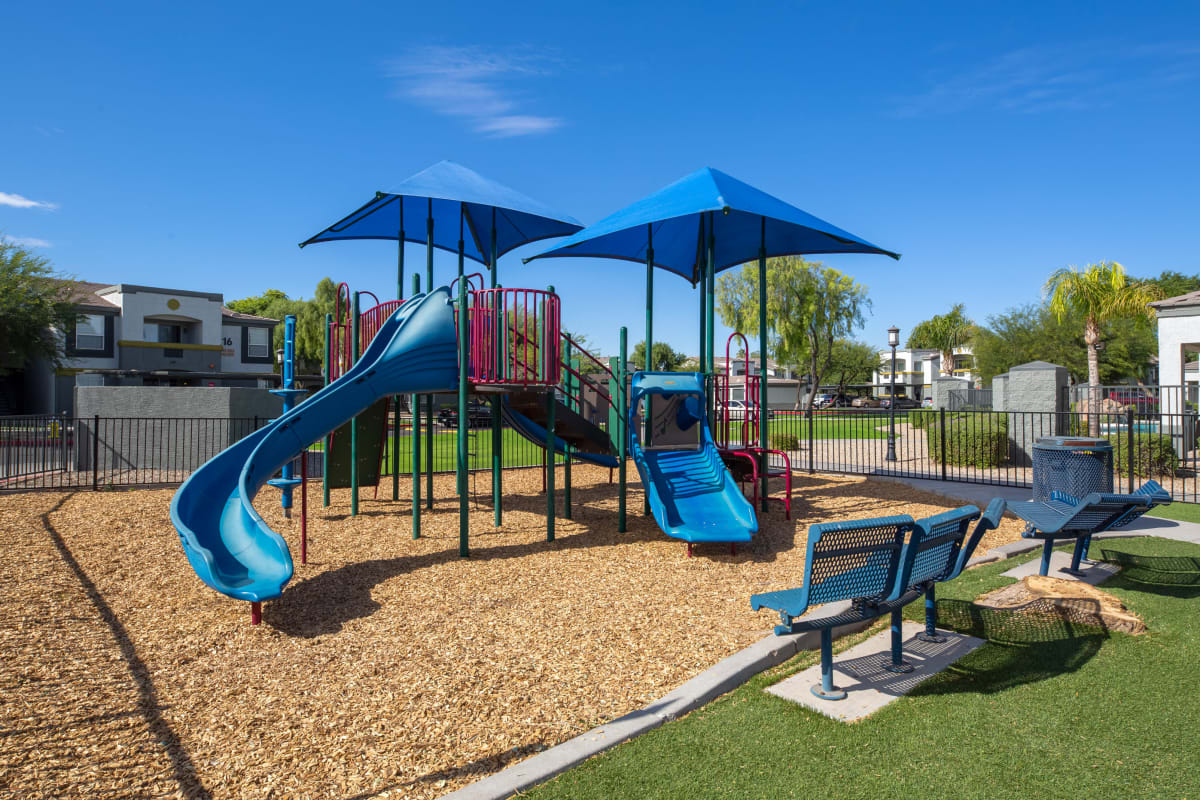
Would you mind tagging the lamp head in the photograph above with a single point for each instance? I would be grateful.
(893, 336)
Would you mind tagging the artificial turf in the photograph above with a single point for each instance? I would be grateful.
(1041, 711)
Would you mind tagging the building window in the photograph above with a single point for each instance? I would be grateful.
(166, 333)
(258, 343)
(89, 332)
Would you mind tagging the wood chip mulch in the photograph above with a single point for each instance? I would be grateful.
(390, 667)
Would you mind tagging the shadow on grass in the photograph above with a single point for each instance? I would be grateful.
(1029, 644)
(1178, 576)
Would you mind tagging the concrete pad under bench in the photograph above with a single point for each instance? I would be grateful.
(1093, 574)
(859, 672)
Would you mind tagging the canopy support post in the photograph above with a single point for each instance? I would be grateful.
(396, 399)
(429, 397)
(622, 430)
(354, 421)
(416, 446)
(497, 432)
(328, 437)
(710, 283)
(764, 419)
(464, 526)
(649, 357)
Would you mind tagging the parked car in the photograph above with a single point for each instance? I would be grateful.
(902, 402)
(1140, 399)
(822, 400)
(479, 415)
(927, 402)
(866, 401)
(737, 410)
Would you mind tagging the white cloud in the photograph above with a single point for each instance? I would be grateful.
(17, 201)
(471, 83)
(28, 241)
(1074, 77)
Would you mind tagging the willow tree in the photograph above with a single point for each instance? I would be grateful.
(944, 333)
(1098, 294)
(809, 307)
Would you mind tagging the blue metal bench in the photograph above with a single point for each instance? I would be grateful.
(1064, 516)
(869, 563)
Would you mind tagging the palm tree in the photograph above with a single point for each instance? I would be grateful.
(944, 332)
(1100, 293)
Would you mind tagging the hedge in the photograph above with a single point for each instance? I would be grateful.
(785, 441)
(972, 440)
(1153, 455)
(922, 417)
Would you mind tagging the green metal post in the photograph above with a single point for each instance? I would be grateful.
(464, 546)
(763, 417)
(328, 439)
(649, 335)
(569, 386)
(702, 285)
(429, 397)
(710, 319)
(354, 326)
(497, 432)
(416, 446)
(622, 430)
(550, 465)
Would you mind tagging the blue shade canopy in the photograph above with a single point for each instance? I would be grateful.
(451, 187)
(674, 215)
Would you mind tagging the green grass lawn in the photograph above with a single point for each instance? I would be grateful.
(1184, 512)
(516, 450)
(1068, 713)
(847, 426)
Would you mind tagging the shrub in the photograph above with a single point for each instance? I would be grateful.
(1153, 455)
(920, 418)
(972, 440)
(785, 441)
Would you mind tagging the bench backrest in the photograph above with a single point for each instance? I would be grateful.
(939, 544)
(1100, 511)
(855, 559)
(1154, 493)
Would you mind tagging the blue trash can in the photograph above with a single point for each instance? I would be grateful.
(1077, 465)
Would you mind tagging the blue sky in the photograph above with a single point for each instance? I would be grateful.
(193, 145)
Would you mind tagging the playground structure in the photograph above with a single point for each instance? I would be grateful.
(506, 343)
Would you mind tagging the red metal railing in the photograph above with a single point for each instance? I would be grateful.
(371, 320)
(339, 334)
(508, 330)
(724, 393)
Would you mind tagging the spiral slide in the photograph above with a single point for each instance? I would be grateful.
(228, 544)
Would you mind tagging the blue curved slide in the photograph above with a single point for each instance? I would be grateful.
(691, 493)
(537, 434)
(228, 544)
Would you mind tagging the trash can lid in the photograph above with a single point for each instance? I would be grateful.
(1071, 443)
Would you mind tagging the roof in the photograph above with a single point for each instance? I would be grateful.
(239, 316)
(1189, 299)
(84, 294)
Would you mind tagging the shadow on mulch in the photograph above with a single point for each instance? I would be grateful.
(160, 730)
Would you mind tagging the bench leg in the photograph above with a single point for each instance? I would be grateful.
(930, 633)
(827, 691)
(898, 663)
(1047, 549)
(1080, 546)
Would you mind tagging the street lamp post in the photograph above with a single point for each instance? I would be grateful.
(893, 341)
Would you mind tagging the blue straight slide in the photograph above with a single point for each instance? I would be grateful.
(691, 493)
(228, 544)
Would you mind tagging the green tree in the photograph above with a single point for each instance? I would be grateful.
(809, 307)
(943, 333)
(1100, 293)
(35, 304)
(851, 362)
(310, 319)
(1174, 283)
(663, 357)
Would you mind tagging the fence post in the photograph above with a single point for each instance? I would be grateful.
(1129, 444)
(811, 467)
(96, 453)
(942, 438)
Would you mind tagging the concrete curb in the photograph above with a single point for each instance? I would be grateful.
(721, 678)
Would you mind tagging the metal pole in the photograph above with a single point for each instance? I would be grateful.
(763, 416)
(569, 385)
(96, 452)
(429, 398)
(328, 438)
(396, 399)
(354, 421)
(497, 432)
(304, 506)
(891, 450)
(622, 430)
(415, 440)
(649, 331)
(711, 309)
(550, 465)
(702, 285)
(464, 547)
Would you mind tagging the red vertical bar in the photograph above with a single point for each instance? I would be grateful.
(255, 613)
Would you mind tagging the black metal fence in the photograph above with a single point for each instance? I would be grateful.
(968, 445)
(60, 452)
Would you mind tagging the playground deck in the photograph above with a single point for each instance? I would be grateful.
(390, 667)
